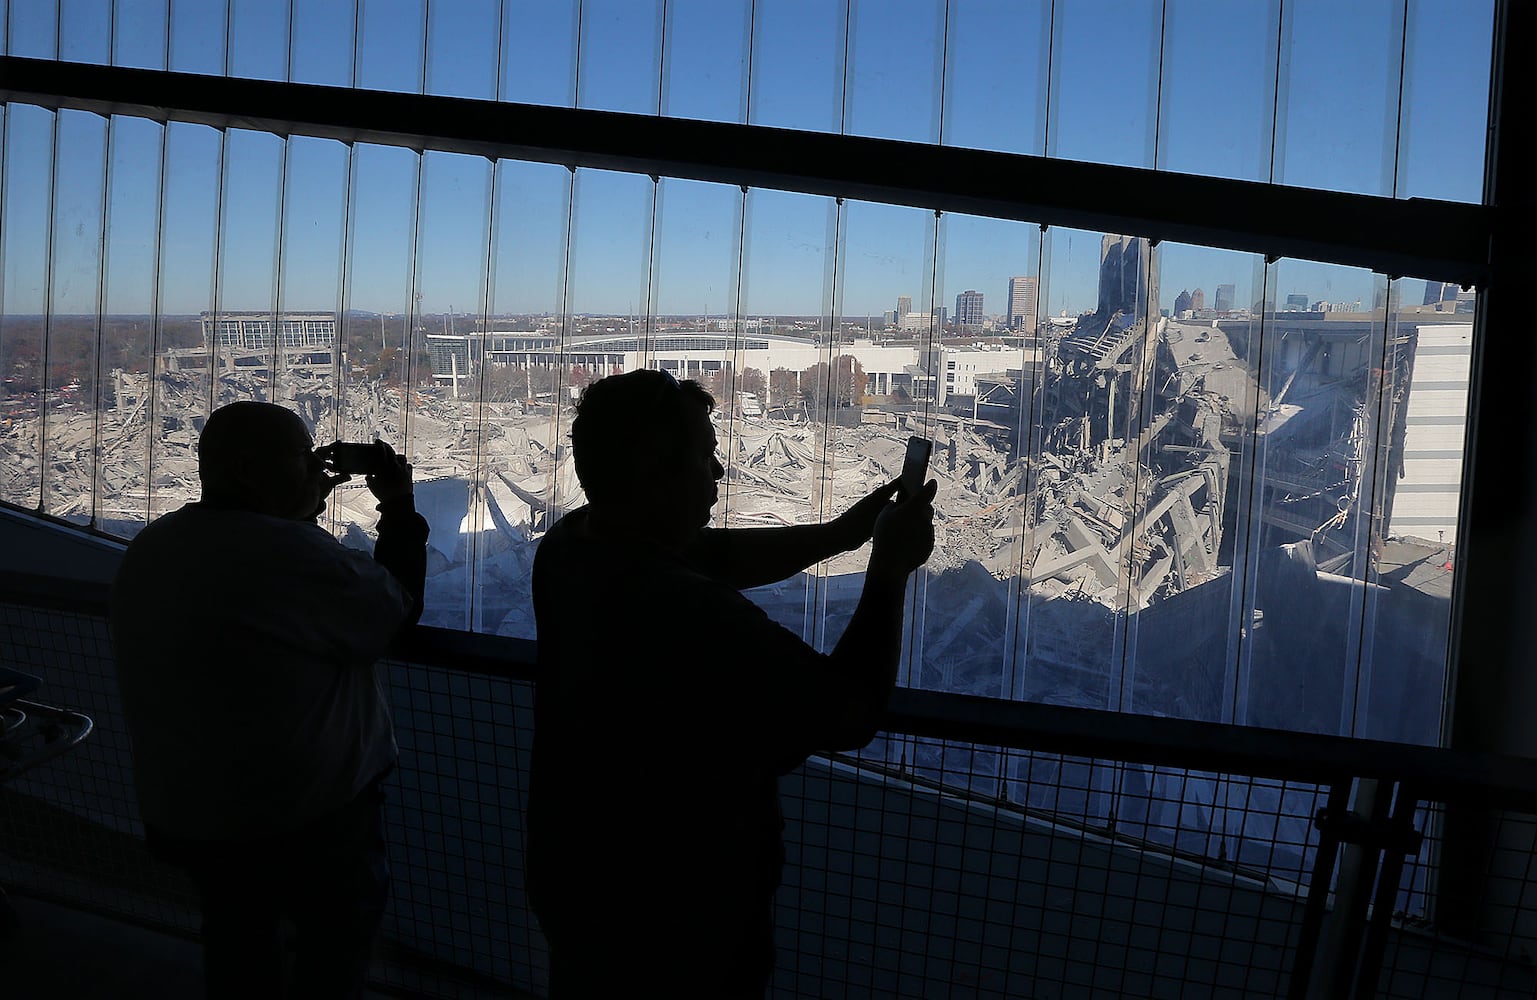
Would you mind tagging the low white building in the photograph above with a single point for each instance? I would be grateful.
(888, 367)
(1426, 499)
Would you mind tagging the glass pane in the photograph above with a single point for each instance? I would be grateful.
(453, 229)
(199, 29)
(321, 42)
(25, 247)
(189, 252)
(608, 289)
(1424, 396)
(390, 42)
(786, 296)
(1185, 622)
(896, 56)
(1421, 411)
(539, 52)
(310, 279)
(72, 326)
(1217, 92)
(128, 338)
(1091, 485)
(620, 64)
(1104, 92)
(996, 75)
(34, 29)
(245, 351)
(258, 38)
(706, 60)
(1312, 499)
(523, 433)
(693, 317)
(140, 33)
(797, 64)
(1446, 100)
(610, 272)
(886, 256)
(85, 31)
(985, 368)
(1337, 118)
(462, 48)
(376, 315)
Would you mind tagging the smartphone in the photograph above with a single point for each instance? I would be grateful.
(915, 467)
(355, 459)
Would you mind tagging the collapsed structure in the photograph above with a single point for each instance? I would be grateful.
(1167, 517)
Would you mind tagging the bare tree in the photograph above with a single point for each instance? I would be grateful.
(752, 381)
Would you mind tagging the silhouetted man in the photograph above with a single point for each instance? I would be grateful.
(245, 638)
(668, 704)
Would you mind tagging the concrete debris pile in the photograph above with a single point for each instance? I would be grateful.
(1108, 521)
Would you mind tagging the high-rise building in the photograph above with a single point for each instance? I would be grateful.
(1182, 302)
(1438, 291)
(1023, 294)
(1296, 302)
(1125, 284)
(968, 308)
(904, 306)
(1225, 294)
(1198, 300)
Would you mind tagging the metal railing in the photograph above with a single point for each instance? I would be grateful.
(977, 847)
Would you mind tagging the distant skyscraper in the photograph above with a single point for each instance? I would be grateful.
(1437, 291)
(1296, 302)
(1225, 295)
(1125, 285)
(904, 306)
(968, 308)
(1023, 293)
(1182, 302)
(1198, 300)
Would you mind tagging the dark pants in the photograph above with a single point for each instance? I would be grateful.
(329, 878)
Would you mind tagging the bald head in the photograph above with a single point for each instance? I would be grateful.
(260, 457)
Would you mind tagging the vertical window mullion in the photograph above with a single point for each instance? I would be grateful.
(480, 489)
(157, 308)
(97, 450)
(275, 379)
(413, 306)
(46, 346)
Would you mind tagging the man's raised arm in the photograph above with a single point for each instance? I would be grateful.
(753, 557)
(401, 547)
(866, 657)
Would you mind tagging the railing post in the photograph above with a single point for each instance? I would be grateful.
(1317, 907)
(1401, 841)
(1340, 944)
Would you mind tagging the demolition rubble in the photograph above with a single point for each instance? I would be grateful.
(1097, 499)
(1081, 555)
(1070, 525)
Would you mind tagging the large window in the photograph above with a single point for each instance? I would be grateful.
(1174, 479)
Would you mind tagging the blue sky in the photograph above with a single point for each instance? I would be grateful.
(1184, 85)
